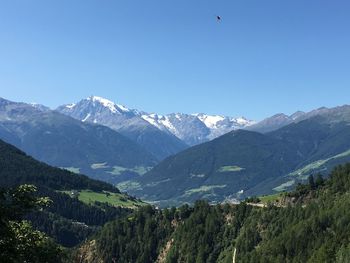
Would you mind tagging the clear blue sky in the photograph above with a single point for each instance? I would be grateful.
(266, 56)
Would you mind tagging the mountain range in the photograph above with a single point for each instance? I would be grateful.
(280, 120)
(173, 131)
(197, 128)
(192, 156)
(245, 163)
(102, 139)
(127, 122)
(65, 142)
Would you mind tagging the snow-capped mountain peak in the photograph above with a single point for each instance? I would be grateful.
(211, 121)
(113, 107)
(99, 110)
(190, 128)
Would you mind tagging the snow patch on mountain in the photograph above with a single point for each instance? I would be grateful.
(123, 108)
(167, 123)
(244, 122)
(70, 106)
(161, 122)
(210, 121)
(87, 117)
(151, 120)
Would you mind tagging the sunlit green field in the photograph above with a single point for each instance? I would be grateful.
(303, 173)
(230, 168)
(114, 199)
(270, 198)
(203, 188)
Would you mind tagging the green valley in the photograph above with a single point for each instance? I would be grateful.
(247, 163)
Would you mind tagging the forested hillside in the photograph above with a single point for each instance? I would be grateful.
(68, 220)
(311, 224)
(242, 163)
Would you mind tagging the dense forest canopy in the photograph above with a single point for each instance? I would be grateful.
(67, 220)
(312, 224)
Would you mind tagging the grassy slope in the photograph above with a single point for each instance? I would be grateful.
(115, 199)
(319, 166)
(270, 198)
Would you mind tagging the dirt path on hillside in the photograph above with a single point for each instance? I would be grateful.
(234, 256)
(163, 254)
